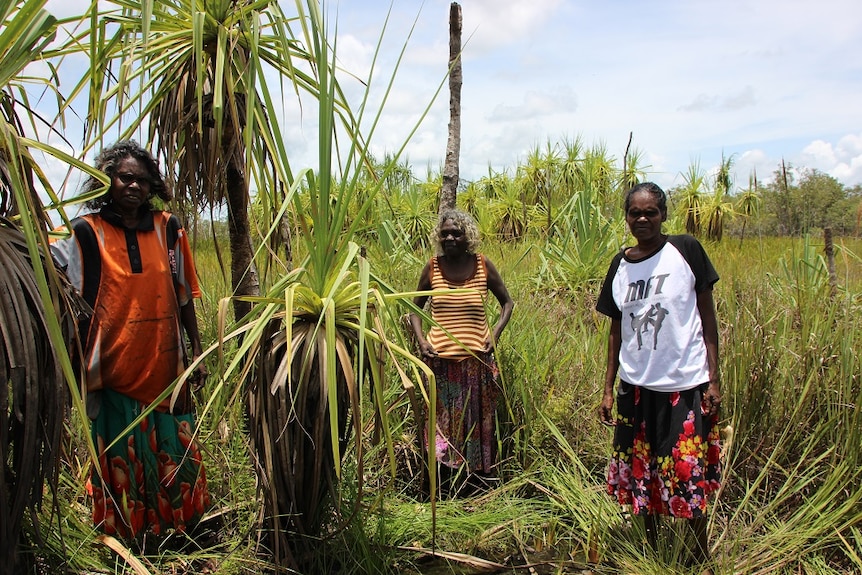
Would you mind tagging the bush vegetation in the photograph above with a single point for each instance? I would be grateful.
(790, 501)
(791, 379)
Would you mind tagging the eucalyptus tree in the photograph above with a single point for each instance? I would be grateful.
(451, 165)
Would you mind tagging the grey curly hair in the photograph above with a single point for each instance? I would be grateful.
(464, 222)
(108, 160)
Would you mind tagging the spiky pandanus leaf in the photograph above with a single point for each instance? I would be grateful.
(289, 419)
(36, 313)
(33, 392)
(307, 358)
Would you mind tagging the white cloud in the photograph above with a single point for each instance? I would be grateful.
(490, 24)
(559, 100)
(354, 55)
(703, 103)
(842, 160)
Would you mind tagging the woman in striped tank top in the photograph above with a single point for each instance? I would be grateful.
(459, 349)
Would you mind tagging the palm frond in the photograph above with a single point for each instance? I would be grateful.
(38, 308)
(33, 394)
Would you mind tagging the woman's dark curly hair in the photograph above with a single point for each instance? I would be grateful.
(652, 189)
(108, 160)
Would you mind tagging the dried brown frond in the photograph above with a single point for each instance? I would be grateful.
(33, 390)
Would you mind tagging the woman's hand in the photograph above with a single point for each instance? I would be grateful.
(426, 350)
(606, 409)
(489, 345)
(199, 376)
(711, 399)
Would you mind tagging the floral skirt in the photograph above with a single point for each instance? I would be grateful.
(152, 478)
(468, 397)
(665, 457)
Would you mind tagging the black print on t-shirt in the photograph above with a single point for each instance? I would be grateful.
(642, 289)
(653, 316)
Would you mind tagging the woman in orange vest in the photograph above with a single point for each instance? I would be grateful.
(132, 263)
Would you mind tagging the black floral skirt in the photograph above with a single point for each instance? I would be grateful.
(666, 451)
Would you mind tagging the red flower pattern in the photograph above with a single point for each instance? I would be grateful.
(679, 507)
(677, 484)
(171, 480)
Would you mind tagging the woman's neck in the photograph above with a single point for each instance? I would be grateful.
(130, 219)
(643, 249)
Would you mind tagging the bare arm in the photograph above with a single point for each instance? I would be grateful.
(189, 319)
(706, 307)
(613, 365)
(425, 348)
(498, 288)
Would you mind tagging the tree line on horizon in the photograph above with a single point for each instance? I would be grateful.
(531, 200)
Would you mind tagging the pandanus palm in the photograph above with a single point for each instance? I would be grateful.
(690, 198)
(748, 203)
(323, 331)
(194, 75)
(319, 334)
(36, 305)
(718, 208)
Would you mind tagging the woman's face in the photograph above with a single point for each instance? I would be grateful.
(453, 240)
(130, 185)
(644, 217)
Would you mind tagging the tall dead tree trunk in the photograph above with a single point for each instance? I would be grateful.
(448, 192)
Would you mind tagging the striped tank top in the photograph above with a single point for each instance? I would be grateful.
(462, 315)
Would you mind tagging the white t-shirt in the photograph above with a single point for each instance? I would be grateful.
(655, 298)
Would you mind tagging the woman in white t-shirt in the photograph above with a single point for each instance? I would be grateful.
(663, 347)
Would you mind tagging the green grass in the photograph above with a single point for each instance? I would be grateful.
(793, 483)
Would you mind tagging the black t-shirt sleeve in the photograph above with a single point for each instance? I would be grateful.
(705, 275)
(606, 304)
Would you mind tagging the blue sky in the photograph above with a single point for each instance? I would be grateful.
(756, 80)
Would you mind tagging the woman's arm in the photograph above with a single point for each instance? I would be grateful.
(425, 348)
(613, 364)
(706, 307)
(189, 320)
(498, 288)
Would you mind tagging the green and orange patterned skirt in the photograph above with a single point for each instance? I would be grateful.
(152, 478)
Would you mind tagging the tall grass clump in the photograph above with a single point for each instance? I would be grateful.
(792, 383)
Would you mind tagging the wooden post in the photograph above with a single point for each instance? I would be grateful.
(830, 261)
(449, 189)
